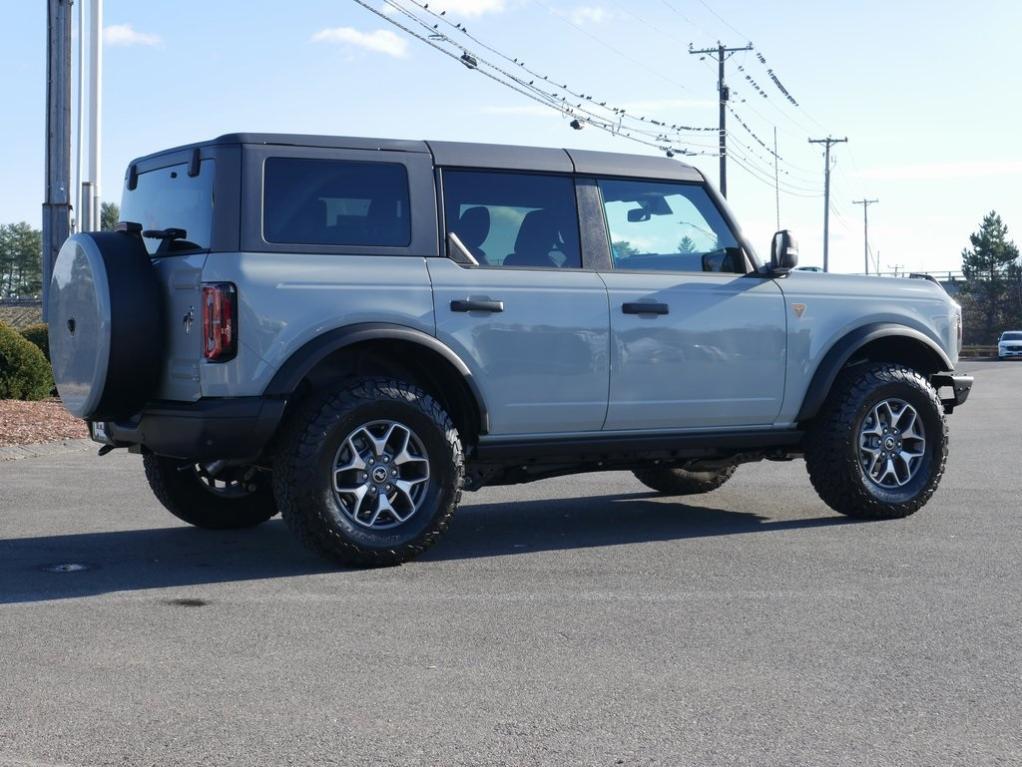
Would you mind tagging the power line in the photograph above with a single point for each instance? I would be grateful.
(620, 113)
(777, 183)
(755, 137)
(613, 124)
(683, 16)
(582, 108)
(724, 21)
(658, 72)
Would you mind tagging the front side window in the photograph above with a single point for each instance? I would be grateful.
(513, 219)
(666, 226)
(335, 202)
(168, 198)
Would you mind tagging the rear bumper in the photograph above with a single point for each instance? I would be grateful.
(953, 388)
(238, 428)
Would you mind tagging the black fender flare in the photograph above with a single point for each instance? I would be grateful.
(846, 346)
(304, 360)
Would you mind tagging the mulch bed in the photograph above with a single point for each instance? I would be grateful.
(27, 423)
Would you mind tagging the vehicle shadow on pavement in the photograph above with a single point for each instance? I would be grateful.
(499, 529)
(130, 560)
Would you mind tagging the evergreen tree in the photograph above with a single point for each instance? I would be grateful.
(993, 277)
(21, 249)
(687, 245)
(109, 215)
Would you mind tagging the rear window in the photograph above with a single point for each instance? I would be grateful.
(168, 198)
(335, 202)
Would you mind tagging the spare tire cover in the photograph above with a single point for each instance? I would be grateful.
(105, 312)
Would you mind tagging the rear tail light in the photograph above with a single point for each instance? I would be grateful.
(219, 321)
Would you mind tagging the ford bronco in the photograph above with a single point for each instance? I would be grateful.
(351, 331)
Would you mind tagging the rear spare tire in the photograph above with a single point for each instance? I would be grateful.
(105, 312)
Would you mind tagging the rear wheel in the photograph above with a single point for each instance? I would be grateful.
(879, 447)
(674, 481)
(237, 497)
(371, 474)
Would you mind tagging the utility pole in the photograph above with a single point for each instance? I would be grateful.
(865, 226)
(777, 183)
(722, 52)
(828, 142)
(57, 207)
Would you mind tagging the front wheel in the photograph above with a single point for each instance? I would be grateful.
(370, 475)
(879, 447)
(235, 498)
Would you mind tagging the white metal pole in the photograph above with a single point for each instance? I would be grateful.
(80, 118)
(95, 106)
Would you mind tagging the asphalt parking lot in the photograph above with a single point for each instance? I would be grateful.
(579, 621)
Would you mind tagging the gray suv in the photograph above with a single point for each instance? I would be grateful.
(352, 331)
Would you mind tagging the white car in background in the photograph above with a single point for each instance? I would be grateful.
(1009, 345)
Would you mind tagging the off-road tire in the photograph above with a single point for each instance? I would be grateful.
(670, 480)
(304, 465)
(178, 487)
(831, 444)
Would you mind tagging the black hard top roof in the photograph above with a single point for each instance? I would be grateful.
(471, 155)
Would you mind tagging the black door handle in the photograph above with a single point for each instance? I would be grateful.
(644, 307)
(477, 306)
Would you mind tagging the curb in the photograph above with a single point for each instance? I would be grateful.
(44, 449)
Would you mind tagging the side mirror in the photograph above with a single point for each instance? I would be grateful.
(783, 253)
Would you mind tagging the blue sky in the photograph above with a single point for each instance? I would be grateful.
(927, 93)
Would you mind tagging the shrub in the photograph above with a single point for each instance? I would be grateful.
(39, 334)
(24, 371)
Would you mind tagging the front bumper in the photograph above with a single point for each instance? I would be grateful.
(235, 429)
(1009, 351)
(960, 386)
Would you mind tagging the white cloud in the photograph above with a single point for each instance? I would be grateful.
(588, 14)
(125, 34)
(943, 170)
(379, 41)
(467, 8)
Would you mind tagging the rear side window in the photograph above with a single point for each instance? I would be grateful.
(514, 219)
(335, 202)
(168, 198)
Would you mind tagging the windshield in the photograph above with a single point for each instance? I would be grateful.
(169, 198)
(1012, 336)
